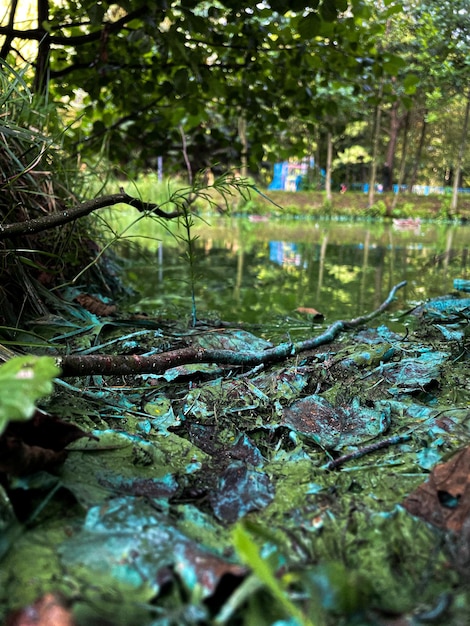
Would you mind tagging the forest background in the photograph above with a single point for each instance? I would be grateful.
(376, 92)
(96, 96)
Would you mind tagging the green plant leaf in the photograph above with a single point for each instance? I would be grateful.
(310, 25)
(23, 381)
(249, 553)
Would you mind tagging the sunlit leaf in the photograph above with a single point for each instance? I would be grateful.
(23, 381)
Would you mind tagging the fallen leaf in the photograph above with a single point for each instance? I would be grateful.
(444, 499)
(95, 305)
(309, 311)
(39, 443)
(50, 610)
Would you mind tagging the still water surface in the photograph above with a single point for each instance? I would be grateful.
(261, 272)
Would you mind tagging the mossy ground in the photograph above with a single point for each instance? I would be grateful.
(141, 520)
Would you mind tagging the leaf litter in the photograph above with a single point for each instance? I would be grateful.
(330, 488)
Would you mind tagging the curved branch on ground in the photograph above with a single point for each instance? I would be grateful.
(86, 365)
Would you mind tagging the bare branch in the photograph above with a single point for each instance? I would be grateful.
(372, 447)
(38, 33)
(9, 38)
(59, 218)
(76, 365)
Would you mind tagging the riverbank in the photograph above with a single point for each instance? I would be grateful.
(354, 204)
(260, 201)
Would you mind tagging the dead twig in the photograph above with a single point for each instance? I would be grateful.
(378, 445)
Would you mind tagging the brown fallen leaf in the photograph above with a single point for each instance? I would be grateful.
(36, 444)
(444, 499)
(19, 459)
(49, 610)
(309, 311)
(95, 305)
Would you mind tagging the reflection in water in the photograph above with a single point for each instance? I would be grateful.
(284, 253)
(253, 272)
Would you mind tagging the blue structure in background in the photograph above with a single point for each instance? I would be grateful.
(284, 253)
(279, 176)
(288, 175)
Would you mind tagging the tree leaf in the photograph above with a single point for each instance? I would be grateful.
(310, 25)
(23, 381)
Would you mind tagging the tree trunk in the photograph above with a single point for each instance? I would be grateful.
(417, 158)
(401, 173)
(458, 168)
(317, 157)
(41, 77)
(375, 151)
(395, 125)
(244, 143)
(329, 161)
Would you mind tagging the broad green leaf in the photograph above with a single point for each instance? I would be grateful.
(410, 83)
(393, 64)
(23, 381)
(310, 25)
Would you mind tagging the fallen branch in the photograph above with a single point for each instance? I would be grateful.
(59, 218)
(121, 365)
(373, 447)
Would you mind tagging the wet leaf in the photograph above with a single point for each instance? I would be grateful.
(414, 374)
(129, 465)
(236, 340)
(135, 544)
(444, 499)
(335, 427)
(240, 491)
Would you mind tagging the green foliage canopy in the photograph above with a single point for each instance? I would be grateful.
(141, 73)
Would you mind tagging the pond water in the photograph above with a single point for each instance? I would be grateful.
(261, 272)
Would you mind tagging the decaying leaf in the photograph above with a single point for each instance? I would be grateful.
(444, 499)
(27, 447)
(50, 610)
(95, 305)
(310, 312)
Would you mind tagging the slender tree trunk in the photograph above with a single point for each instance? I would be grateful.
(401, 173)
(329, 161)
(11, 23)
(395, 125)
(317, 156)
(375, 151)
(419, 151)
(41, 77)
(458, 168)
(244, 142)
(321, 266)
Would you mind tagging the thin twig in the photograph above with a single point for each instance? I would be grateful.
(378, 445)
